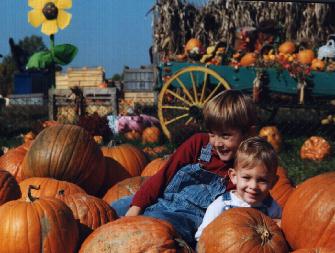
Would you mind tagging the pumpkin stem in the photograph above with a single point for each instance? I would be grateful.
(264, 234)
(30, 198)
(182, 244)
(61, 192)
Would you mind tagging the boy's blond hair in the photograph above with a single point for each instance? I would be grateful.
(230, 109)
(255, 150)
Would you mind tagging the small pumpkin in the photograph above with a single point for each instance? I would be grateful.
(29, 136)
(66, 152)
(151, 135)
(124, 188)
(37, 225)
(315, 148)
(98, 139)
(89, 211)
(306, 56)
(242, 229)
(154, 166)
(48, 187)
(132, 135)
(283, 188)
(249, 59)
(135, 234)
(287, 47)
(191, 44)
(12, 161)
(308, 214)
(9, 189)
(128, 156)
(318, 65)
(272, 135)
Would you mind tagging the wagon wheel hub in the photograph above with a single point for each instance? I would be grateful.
(196, 113)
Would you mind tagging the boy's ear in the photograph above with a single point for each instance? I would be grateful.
(232, 175)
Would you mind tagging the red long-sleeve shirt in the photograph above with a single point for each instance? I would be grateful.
(187, 153)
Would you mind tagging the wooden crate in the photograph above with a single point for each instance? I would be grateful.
(63, 104)
(130, 98)
(82, 77)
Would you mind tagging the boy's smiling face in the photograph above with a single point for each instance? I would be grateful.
(253, 183)
(226, 144)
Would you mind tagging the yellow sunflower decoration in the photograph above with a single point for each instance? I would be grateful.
(50, 14)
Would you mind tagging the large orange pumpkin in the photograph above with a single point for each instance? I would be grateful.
(308, 219)
(315, 148)
(287, 47)
(37, 225)
(66, 152)
(151, 135)
(129, 156)
(242, 229)
(283, 188)
(48, 187)
(135, 234)
(306, 56)
(124, 188)
(115, 173)
(9, 189)
(314, 250)
(154, 166)
(12, 160)
(90, 212)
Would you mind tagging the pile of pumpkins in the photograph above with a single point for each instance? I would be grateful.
(315, 148)
(55, 195)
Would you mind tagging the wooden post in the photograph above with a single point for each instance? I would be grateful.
(51, 103)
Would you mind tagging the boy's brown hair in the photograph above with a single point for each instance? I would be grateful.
(256, 150)
(230, 109)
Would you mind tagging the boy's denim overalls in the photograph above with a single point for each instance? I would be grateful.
(185, 199)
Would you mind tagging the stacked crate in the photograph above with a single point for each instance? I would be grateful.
(81, 77)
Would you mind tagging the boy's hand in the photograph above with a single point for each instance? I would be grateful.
(133, 211)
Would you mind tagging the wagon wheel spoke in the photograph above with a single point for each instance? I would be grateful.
(194, 86)
(179, 97)
(212, 93)
(185, 90)
(204, 87)
(175, 107)
(189, 121)
(176, 119)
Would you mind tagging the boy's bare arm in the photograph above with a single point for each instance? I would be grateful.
(134, 211)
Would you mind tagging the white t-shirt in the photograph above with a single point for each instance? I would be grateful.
(220, 205)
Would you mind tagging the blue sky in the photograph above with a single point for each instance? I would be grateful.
(108, 33)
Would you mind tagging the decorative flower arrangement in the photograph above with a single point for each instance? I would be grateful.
(51, 15)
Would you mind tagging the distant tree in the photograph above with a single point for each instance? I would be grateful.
(7, 70)
(117, 77)
(9, 65)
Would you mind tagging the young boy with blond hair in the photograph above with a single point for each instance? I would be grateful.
(254, 174)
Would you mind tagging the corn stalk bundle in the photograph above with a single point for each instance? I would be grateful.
(176, 21)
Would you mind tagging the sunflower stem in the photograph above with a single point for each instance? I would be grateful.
(53, 65)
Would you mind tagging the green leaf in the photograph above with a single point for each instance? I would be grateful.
(64, 54)
(40, 60)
